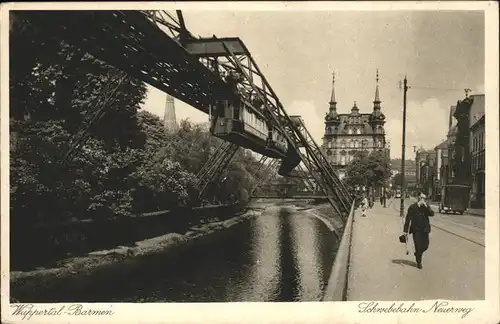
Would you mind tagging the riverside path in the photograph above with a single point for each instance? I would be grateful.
(380, 269)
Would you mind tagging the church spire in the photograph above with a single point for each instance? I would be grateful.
(377, 116)
(377, 97)
(376, 102)
(333, 101)
(332, 116)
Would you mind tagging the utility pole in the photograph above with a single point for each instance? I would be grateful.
(403, 192)
(387, 158)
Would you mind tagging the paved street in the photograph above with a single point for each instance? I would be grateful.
(469, 211)
(453, 267)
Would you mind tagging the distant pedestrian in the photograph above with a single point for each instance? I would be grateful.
(364, 206)
(370, 201)
(417, 223)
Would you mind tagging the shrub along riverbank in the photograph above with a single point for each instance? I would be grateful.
(81, 237)
(80, 272)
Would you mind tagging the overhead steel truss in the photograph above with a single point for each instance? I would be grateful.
(190, 69)
(98, 107)
(216, 164)
(297, 136)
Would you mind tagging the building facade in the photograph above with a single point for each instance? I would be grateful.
(410, 174)
(420, 158)
(462, 157)
(428, 176)
(451, 139)
(466, 156)
(441, 152)
(429, 164)
(349, 133)
(477, 147)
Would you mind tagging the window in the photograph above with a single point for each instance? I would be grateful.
(349, 131)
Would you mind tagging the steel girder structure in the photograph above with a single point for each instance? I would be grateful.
(132, 42)
(316, 150)
(271, 173)
(270, 170)
(97, 110)
(230, 54)
(302, 174)
(216, 164)
(312, 158)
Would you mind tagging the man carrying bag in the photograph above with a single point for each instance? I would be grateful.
(417, 223)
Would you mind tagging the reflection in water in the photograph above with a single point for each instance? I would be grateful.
(264, 270)
(305, 244)
(278, 256)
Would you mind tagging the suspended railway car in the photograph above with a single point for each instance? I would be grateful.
(242, 125)
(276, 142)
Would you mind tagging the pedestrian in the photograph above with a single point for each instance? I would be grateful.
(381, 199)
(364, 206)
(417, 223)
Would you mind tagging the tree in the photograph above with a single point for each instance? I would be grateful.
(369, 170)
(128, 164)
(53, 90)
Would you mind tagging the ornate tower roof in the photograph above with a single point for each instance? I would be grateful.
(354, 109)
(377, 115)
(332, 115)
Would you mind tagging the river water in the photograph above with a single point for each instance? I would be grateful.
(282, 255)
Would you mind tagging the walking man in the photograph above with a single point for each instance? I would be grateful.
(417, 223)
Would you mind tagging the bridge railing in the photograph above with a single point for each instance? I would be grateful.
(336, 289)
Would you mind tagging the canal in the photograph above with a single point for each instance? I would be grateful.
(282, 255)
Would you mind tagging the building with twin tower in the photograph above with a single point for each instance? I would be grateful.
(348, 133)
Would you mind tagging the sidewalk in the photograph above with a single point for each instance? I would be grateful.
(453, 268)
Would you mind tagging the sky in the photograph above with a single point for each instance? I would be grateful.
(441, 53)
